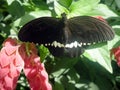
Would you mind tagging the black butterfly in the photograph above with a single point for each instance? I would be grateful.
(65, 36)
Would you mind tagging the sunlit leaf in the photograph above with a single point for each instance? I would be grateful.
(102, 56)
(44, 52)
(58, 84)
(59, 9)
(65, 3)
(82, 7)
(60, 67)
(105, 11)
(30, 16)
(116, 41)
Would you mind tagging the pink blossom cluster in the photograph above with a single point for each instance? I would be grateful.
(116, 53)
(14, 57)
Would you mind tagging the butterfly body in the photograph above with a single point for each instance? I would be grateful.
(65, 36)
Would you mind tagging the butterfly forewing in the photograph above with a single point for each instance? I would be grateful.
(88, 29)
(42, 30)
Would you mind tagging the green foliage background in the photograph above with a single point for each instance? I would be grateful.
(94, 70)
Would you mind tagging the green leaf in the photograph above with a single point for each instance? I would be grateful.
(59, 9)
(116, 41)
(113, 20)
(117, 30)
(85, 86)
(82, 7)
(44, 52)
(62, 65)
(107, 85)
(104, 11)
(118, 3)
(96, 45)
(58, 84)
(16, 9)
(39, 5)
(30, 16)
(9, 1)
(102, 56)
(73, 76)
(65, 3)
(67, 80)
(91, 72)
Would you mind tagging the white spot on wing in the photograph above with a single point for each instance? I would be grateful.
(80, 44)
(57, 44)
(46, 44)
(73, 44)
(88, 43)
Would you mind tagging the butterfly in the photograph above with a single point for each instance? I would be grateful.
(66, 37)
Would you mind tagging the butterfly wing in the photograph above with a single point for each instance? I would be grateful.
(83, 29)
(86, 29)
(44, 30)
(41, 30)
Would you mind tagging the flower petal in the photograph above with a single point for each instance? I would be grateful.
(4, 61)
(116, 52)
(35, 71)
(4, 72)
(11, 64)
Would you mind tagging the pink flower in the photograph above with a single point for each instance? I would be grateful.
(34, 69)
(14, 58)
(10, 65)
(116, 52)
